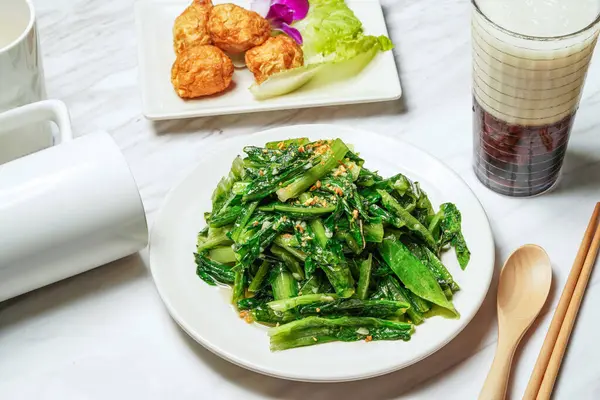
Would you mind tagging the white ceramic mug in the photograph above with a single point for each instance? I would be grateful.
(21, 77)
(66, 209)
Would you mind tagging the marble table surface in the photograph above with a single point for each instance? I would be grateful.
(106, 335)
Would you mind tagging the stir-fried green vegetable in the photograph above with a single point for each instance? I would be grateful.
(313, 330)
(323, 249)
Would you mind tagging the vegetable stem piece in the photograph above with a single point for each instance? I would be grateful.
(315, 284)
(223, 189)
(356, 307)
(416, 303)
(364, 277)
(411, 222)
(292, 264)
(228, 215)
(216, 237)
(319, 232)
(283, 284)
(260, 276)
(222, 254)
(399, 293)
(242, 220)
(213, 272)
(373, 232)
(265, 315)
(331, 157)
(289, 243)
(313, 330)
(288, 304)
(239, 286)
(298, 211)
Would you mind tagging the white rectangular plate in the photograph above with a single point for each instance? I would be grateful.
(154, 21)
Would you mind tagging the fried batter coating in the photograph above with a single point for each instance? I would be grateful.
(234, 29)
(275, 55)
(190, 28)
(201, 71)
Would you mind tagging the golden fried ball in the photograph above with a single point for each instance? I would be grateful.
(234, 29)
(190, 27)
(201, 71)
(276, 54)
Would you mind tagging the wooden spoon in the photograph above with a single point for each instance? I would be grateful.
(524, 285)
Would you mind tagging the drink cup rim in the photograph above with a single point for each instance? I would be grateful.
(530, 37)
(25, 32)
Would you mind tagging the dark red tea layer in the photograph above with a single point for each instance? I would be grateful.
(518, 160)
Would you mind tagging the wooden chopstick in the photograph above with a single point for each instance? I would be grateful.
(548, 363)
(567, 326)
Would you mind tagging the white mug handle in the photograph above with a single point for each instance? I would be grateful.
(46, 110)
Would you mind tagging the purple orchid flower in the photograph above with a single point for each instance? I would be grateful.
(282, 13)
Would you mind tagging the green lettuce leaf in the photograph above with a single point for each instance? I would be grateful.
(331, 32)
(334, 45)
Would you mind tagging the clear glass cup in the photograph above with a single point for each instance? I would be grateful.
(529, 68)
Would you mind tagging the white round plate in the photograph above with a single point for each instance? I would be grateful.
(206, 314)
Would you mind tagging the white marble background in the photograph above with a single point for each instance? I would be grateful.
(106, 335)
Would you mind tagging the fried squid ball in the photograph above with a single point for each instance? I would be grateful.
(275, 55)
(234, 29)
(190, 27)
(201, 71)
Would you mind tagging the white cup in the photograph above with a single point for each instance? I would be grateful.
(21, 77)
(66, 209)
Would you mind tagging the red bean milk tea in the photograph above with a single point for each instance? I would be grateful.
(530, 59)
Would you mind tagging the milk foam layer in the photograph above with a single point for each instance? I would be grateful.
(527, 81)
(541, 18)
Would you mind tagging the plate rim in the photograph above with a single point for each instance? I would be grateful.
(253, 367)
(140, 7)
